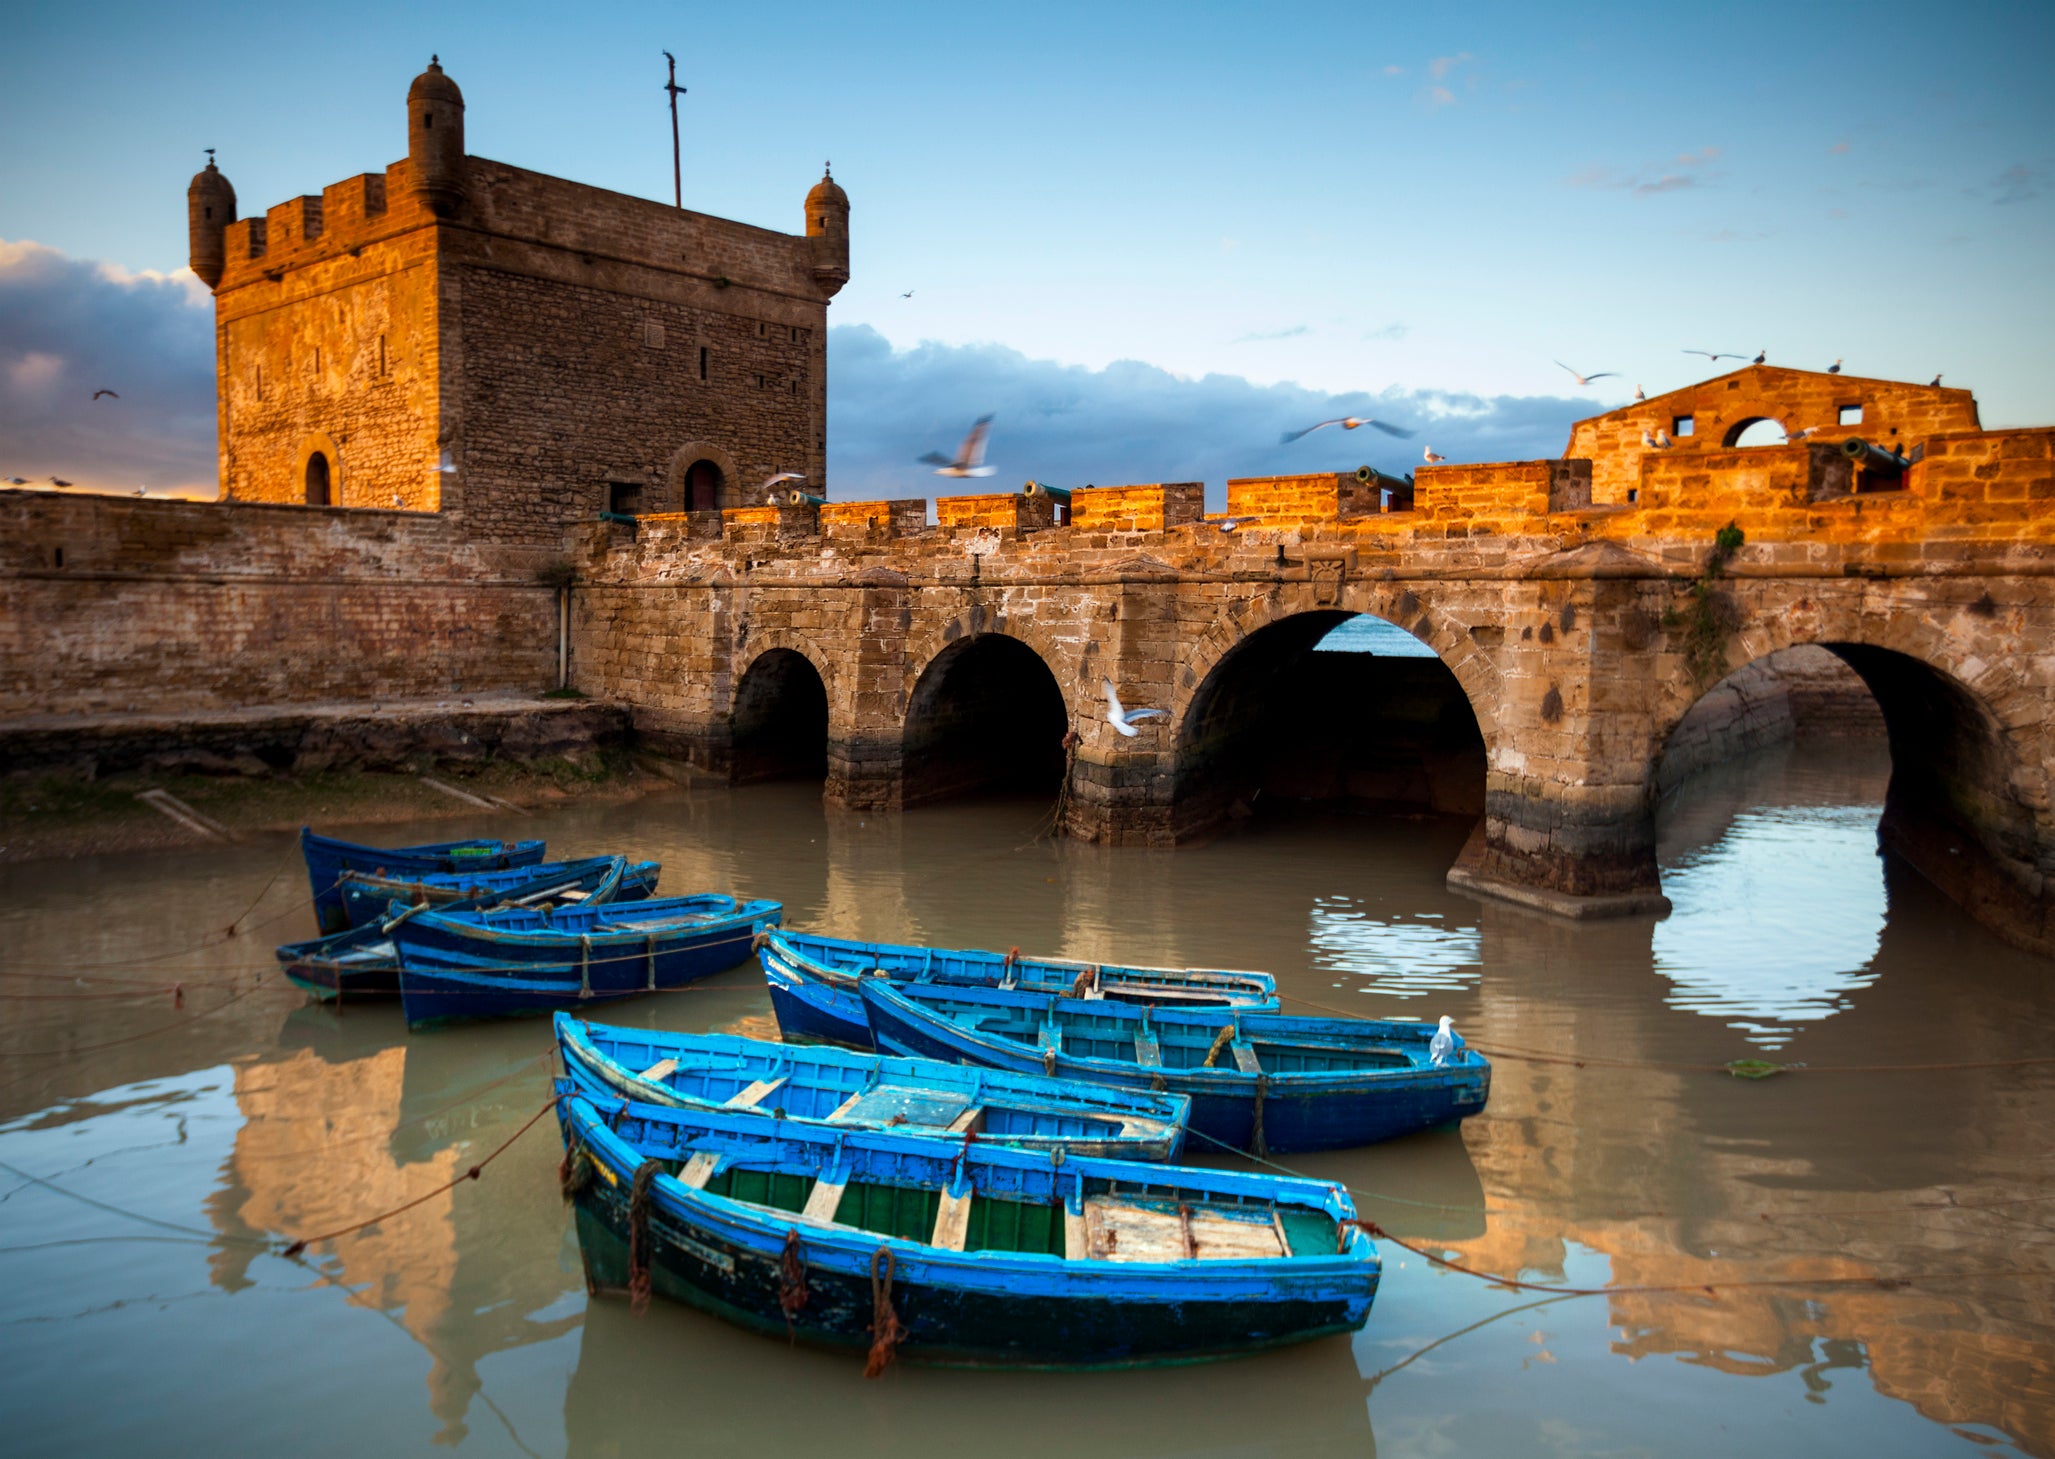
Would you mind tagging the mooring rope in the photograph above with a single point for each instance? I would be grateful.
(886, 1330)
(639, 1282)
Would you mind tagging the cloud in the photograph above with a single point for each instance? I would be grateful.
(1132, 422)
(1839, 149)
(2017, 184)
(1291, 333)
(69, 327)
(1440, 96)
(1686, 170)
(1394, 70)
(1440, 66)
(1390, 331)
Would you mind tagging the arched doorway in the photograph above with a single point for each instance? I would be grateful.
(986, 716)
(705, 487)
(1756, 430)
(780, 725)
(1333, 711)
(318, 479)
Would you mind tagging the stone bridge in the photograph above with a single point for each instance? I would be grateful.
(1578, 610)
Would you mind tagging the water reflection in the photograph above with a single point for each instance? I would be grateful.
(1607, 1157)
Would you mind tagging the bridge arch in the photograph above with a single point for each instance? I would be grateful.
(779, 723)
(1966, 773)
(985, 713)
(1262, 711)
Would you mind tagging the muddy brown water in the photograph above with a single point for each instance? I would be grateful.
(155, 1160)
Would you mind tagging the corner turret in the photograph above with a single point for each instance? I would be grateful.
(435, 139)
(827, 233)
(210, 208)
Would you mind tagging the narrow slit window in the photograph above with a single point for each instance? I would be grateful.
(702, 362)
(1682, 425)
(1851, 415)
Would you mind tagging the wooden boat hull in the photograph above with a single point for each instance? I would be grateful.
(983, 1307)
(328, 858)
(1255, 1110)
(813, 981)
(459, 966)
(368, 896)
(358, 963)
(843, 1090)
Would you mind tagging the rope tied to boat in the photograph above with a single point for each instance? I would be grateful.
(584, 965)
(1049, 1062)
(792, 1293)
(756, 943)
(887, 1331)
(574, 1171)
(649, 953)
(1257, 1143)
(1225, 1038)
(638, 1234)
(1087, 979)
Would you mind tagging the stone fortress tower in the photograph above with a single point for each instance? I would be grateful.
(461, 335)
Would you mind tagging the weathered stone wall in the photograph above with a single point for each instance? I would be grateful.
(120, 605)
(1797, 693)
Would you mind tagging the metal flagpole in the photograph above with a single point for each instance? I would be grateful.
(677, 175)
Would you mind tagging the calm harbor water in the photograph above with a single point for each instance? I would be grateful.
(155, 1160)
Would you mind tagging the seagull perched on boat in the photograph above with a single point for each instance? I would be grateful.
(1442, 1047)
(784, 476)
(1835, 368)
(1427, 454)
(1124, 719)
(1349, 423)
(98, 393)
(970, 456)
(1715, 358)
(1587, 379)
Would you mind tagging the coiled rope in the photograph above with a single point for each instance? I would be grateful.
(887, 1332)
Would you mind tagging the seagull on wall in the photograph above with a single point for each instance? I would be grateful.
(1587, 379)
(1835, 368)
(1933, 382)
(1663, 441)
(970, 456)
(1124, 719)
(1428, 455)
(1349, 423)
(98, 393)
(59, 481)
(1637, 393)
(1651, 442)
(1760, 356)
(1715, 358)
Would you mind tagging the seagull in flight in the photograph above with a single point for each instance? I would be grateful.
(1349, 423)
(1587, 379)
(1715, 358)
(1124, 719)
(1427, 455)
(907, 295)
(970, 456)
(784, 476)
(59, 481)
(1835, 368)
(98, 393)
(1799, 435)
(1229, 524)
(17, 481)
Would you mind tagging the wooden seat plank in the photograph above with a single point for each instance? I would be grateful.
(660, 1070)
(1245, 1058)
(754, 1094)
(699, 1169)
(971, 1119)
(952, 1221)
(824, 1200)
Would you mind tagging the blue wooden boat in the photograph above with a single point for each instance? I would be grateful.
(1260, 1082)
(846, 1090)
(978, 1254)
(491, 964)
(813, 981)
(368, 895)
(363, 961)
(327, 859)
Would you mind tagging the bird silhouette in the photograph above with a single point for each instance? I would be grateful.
(1835, 368)
(1637, 393)
(1124, 719)
(1760, 356)
(98, 393)
(142, 491)
(1349, 423)
(17, 481)
(770, 482)
(970, 456)
(1715, 358)
(60, 481)
(1586, 379)
(1933, 382)
(1427, 455)
(907, 295)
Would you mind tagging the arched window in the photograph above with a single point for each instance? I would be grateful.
(317, 480)
(703, 483)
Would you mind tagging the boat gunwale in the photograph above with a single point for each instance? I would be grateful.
(1264, 985)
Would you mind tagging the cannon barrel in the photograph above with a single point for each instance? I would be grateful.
(797, 498)
(1871, 457)
(1371, 476)
(1060, 494)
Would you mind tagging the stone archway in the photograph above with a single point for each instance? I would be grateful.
(699, 470)
(319, 470)
(779, 727)
(986, 714)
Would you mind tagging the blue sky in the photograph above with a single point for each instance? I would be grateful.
(1323, 202)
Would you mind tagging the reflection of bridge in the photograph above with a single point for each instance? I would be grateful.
(912, 663)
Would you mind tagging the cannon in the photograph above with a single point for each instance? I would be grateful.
(1371, 476)
(1871, 457)
(798, 498)
(1057, 494)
